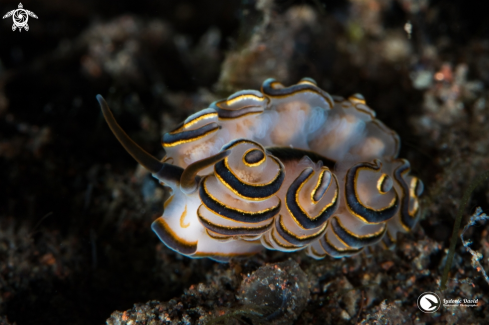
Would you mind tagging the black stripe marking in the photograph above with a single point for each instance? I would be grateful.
(246, 110)
(254, 157)
(407, 220)
(294, 238)
(366, 214)
(237, 142)
(291, 201)
(199, 116)
(354, 240)
(217, 236)
(232, 231)
(255, 106)
(268, 244)
(170, 140)
(321, 186)
(167, 236)
(334, 251)
(282, 245)
(268, 89)
(252, 192)
(314, 253)
(384, 184)
(418, 188)
(234, 214)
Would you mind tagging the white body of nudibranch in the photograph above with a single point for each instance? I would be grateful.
(287, 168)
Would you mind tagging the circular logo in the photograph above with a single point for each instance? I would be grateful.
(20, 17)
(429, 302)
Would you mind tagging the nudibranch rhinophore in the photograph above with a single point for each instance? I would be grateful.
(287, 168)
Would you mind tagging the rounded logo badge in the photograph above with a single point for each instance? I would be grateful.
(429, 302)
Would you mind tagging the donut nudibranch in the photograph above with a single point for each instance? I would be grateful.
(285, 168)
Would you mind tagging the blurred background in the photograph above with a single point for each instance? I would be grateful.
(75, 209)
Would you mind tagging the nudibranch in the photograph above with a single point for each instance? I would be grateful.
(285, 168)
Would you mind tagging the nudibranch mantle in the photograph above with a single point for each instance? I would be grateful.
(285, 168)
